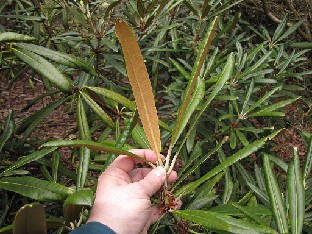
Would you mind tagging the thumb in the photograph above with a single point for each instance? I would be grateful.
(152, 182)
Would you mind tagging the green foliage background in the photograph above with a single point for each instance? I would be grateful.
(250, 74)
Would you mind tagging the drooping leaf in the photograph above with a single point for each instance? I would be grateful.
(45, 68)
(141, 85)
(12, 36)
(114, 96)
(84, 134)
(29, 158)
(271, 108)
(275, 197)
(218, 222)
(295, 195)
(98, 110)
(61, 58)
(34, 188)
(308, 160)
(30, 219)
(32, 121)
(90, 145)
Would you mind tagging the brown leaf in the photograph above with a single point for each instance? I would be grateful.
(141, 85)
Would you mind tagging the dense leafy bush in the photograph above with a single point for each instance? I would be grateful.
(220, 86)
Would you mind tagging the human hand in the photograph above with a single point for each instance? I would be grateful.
(122, 200)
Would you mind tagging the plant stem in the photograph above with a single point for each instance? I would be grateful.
(168, 157)
(172, 163)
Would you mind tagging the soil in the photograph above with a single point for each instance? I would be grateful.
(16, 95)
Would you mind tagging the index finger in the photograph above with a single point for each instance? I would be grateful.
(127, 163)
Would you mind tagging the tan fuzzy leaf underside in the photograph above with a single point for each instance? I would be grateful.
(140, 83)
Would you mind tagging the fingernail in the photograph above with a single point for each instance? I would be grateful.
(159, 171)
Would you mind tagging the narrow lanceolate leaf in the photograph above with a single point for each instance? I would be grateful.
(308, 160)
(243, 153)
(32, 121)
(98, 110)
(84, 134)
(114, 96)
(45, 68)
(11, 37)
(224, 77)
(34, 188)
(295, 195)
(30, 158)
(141, 85)
(273, 107)
(61, 58)
(215, 221)
(9, 128)
(90, 145)
(200, 59)
(197, 96)
(275, 197)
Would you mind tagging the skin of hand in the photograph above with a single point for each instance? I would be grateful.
(122, 200)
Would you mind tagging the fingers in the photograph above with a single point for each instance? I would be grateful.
(152, 182)
(127, 163)
(138, 174)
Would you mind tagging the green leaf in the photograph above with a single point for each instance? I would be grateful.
(232, 140)
(139, 137)
(61, 58)
(114, 96)
(84, 134)
(200, 59)
(224, 76)
(263, 98)
(24, 17)
(8, 129)
(34, 188)
(190, 6)
(302, 45)
(123, 137)
(11, 36)
(197, 96)
(45, 68)
(219, 222)
(243, 153)
(242, 137)
(273, 107)
(289, 31)
(275, 197)
(197, 163)
(184, 73)
(30, 219)
(230, 209)
(111, 7)
(29, 158)
(74, 204)
(248, 214)
(90, 145)
(308, 160)
(32, 121)
(205, 194)
(98, 110)
(295, 195)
